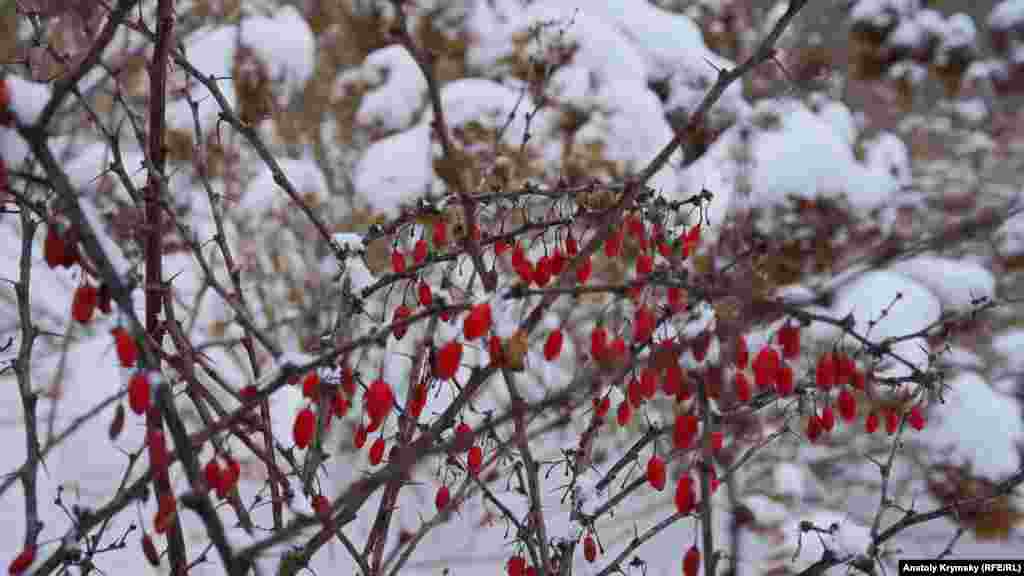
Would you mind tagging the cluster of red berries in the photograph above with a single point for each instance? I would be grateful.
(340, 398)
(516, 566)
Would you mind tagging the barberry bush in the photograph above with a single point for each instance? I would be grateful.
(603, 287)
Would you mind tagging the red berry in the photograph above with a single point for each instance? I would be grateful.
(598, 343)
(419, 400)
(892, 421)
(825, 372)
(571, 246)
(742, 387)
(83, 304)
(149, 550)
(463, 437)
(156, 446)
(643, 324)
(789, 340)
(672, 384)
(27, 556)
(495, 350)
(691, 562)
(691, 240)
(516, 566)
(717, 440)
(397, 262)
(127, 352)
(212, 474)
(377, 451)
(656, 473)
(684, 494)
(813, 428)
(685, 430)
(348, 381)
(553, 345)
(229, 476)
(426, 297)
(648, 382)
(139, 391)
(676, 298)
(401, 313)
(915, 418)
(601, 406)
(556, 264)
(5, 103)
(340, 405)
(477, 322)
(378, 400)
(305, 426)
(784, 380)
(542, 271)
(845, 367)
(625, 413)
(847, 405)
(311, 386)
(359, 439)
(613, 245)
(419, 252)
(442, 498)
(828, 419)
(53, 247)
(500, 247)
(321, 507)
(871, 424)
(589, 548)
(617, 348)
(634, 394)
(766, 367)
(440, 233)
(858, 380)
(474, 460)
(644, 265)
(447, 359)
(584, 270)
(742, 353)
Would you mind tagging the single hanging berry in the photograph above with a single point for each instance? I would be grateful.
(359, 438)
(625, 413)
(915, 418)
(377, 451)
(672, 384)
(644, 323)
(440, 233)
(305, 426)
(813, 428)
(766, 368)
(83, 304)
(717, 440)
(676, 297)
(644, 265)
(516, 566)
(825, 371)
(212, 474)
(598, 343)
(426, 297)
(447, 359)
(691, 562)
(419, 252)
(127, 352)
(149, 550)
(828, 419)
(378, 401)
(542, 271)
(892, 421)
(402, 312)
(589, 548)
(656, 473)
(789, 340)
(477, 322)
(784, 380)
(684, 494)
(397, 262)
(26, 557)
(847, 405)
(53, 247)
(572, 247)
(686, 428)
(845, 368)
(871, 423)
(139, 393)
(648, 382)
(311, 386)
(584, 270)
(553, 345)
(442, 498)
(613, 246)
(474, 459)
